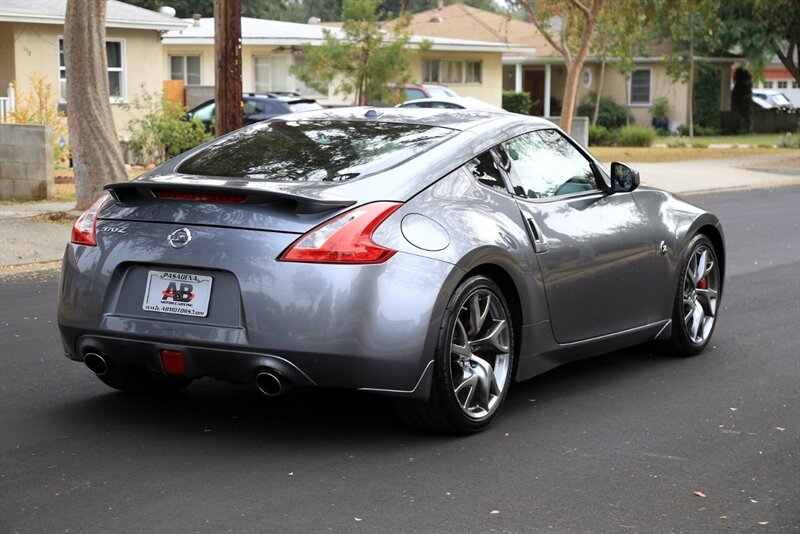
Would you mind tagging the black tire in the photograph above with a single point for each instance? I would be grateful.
(470, 379)
(141, 381)
(697, 299)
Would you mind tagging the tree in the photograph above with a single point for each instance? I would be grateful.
(690, 25)
(572, 40)
(363, 60)
(96, 154)
(761, 29)
(621, 30)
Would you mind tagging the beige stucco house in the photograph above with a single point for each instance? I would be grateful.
(540, 71)
(270, 48)
(31, 43)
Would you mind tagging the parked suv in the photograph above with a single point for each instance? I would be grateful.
(258, 107)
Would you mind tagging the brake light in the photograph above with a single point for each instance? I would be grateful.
(84, 229)
(201, 196)
(347, 238)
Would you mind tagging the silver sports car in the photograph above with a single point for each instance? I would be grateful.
(432, 256)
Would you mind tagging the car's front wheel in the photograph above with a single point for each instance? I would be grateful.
(473, 363)
(697, 298)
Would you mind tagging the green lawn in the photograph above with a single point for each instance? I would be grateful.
(748, 139)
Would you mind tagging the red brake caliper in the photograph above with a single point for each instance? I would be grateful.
(703, 283)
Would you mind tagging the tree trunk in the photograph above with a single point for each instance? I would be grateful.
(600, 83)
(574, 68)
(228, 53)
(96, 154)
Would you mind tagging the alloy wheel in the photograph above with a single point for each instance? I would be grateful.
(480, 354)
(700, 294)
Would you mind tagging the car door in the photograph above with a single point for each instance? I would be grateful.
(595, 250)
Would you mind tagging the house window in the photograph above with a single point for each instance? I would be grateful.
(271, 73)
(474, 72)
(448, 71)
(783, 85)
(639, 87)
(767, 85)
(115, 54)
(186, 68)
(587, 78)
(794, 85)
(299, 85)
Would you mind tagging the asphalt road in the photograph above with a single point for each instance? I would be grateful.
(619, 443)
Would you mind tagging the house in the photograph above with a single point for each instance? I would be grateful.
(270, 48)
(542, 74)
(31, 44)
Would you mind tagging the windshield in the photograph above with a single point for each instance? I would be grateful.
(781, 100)
(318, 151)
(438, 92)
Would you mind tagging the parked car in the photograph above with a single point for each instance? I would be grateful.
(455, 102)
(258, 107)
(771, 99)
(420, 254)
(411, 91)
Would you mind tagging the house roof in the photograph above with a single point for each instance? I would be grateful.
(274, 32)
(459, 20)
(118, 14)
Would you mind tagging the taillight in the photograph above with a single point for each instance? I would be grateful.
(347, 238)
(83, 231)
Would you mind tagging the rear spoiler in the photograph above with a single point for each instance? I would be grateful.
(248, 192)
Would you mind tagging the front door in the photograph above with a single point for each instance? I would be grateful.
(533, 84)
(595, 250)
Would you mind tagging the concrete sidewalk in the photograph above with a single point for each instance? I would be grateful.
(25, 241)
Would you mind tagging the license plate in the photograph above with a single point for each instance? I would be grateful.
(178, 293)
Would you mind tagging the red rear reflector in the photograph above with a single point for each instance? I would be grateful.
(172, 360)
(347, 238)
(201, 196)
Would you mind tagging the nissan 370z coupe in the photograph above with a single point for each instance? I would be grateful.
(432, 256)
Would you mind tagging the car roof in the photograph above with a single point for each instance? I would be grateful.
(456, 119)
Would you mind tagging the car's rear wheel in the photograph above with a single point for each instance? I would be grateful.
(141, 381)
(697, 299)
(473, 362)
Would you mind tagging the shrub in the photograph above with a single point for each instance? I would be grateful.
(634, 135)
(598, 135)
(706, 98)
(789, 141)
(162, 129)
(742, 98)
(732, 123)
(611, 115)
(516, 102)
(683, 129)
(35, 107)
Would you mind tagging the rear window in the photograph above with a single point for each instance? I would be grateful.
(319, 151)
(297, 107)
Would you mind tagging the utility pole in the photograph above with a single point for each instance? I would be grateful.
(228, 55)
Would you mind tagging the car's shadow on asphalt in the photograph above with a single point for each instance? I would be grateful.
(216, 410)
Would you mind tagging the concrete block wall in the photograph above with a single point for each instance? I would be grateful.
(26, 162)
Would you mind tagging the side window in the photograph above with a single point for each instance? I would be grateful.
(485, 170)
(413, 94)
(548, 165)
(248, 107)
(206, 114)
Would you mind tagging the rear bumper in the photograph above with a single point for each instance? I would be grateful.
(358, 327)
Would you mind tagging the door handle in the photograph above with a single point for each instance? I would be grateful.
(540, 243)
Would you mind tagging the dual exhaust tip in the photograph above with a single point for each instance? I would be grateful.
(268, 382)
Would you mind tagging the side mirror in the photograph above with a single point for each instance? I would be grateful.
(624, 179)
